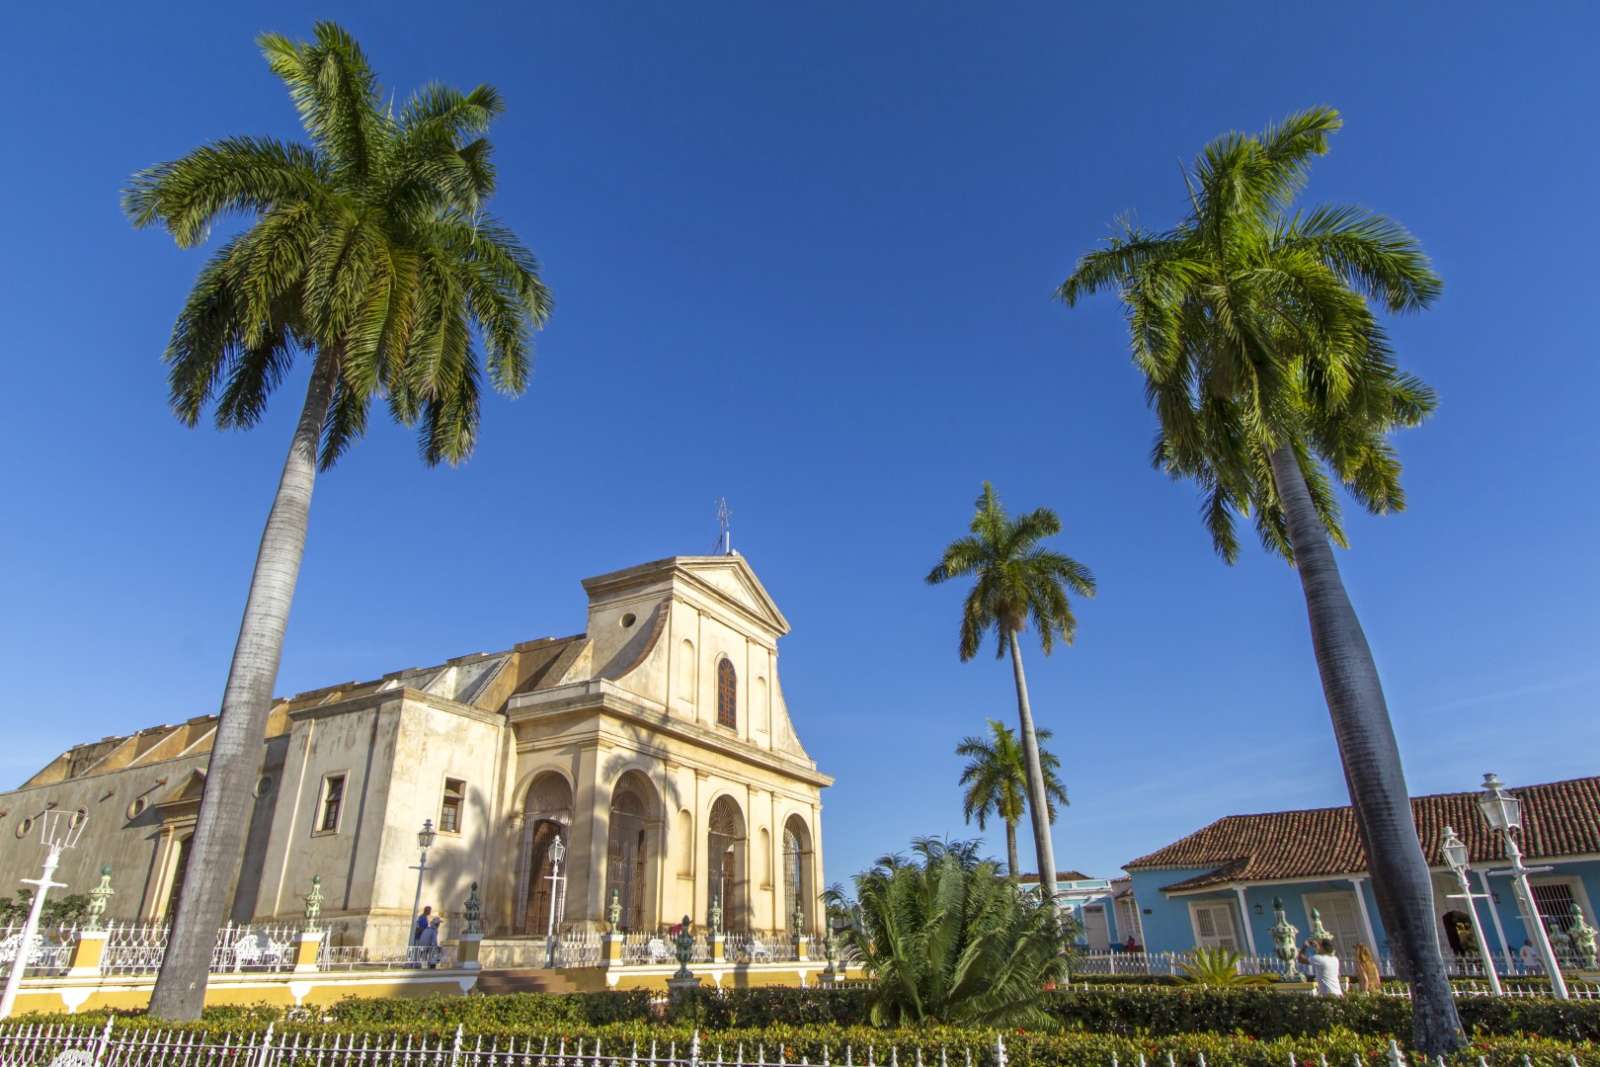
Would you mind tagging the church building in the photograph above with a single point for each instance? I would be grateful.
(656, 746)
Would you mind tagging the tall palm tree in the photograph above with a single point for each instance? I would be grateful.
(1017, 579)
(368, 253)
(996, 777)
(1268, 371)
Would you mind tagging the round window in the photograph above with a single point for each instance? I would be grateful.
(263, 785)
(136, 809)
(629, 619)
(24, 827)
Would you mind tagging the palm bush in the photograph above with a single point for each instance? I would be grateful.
(947, 939)
(1218, 967)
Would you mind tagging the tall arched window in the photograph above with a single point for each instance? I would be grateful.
(727, 694)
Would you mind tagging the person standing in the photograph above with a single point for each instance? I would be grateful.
(428, 943)
(420, 927)
(1324, 969)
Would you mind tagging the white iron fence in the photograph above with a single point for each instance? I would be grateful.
(1173, 963)
(89, 1046)
(50, 951)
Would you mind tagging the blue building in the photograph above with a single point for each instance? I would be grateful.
(1215, 887)
(1102, 909)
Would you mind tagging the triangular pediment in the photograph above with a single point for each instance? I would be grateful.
(735, 580)
(187, 791)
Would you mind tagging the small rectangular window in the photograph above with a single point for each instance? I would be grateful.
(332, 800)
(455, 793)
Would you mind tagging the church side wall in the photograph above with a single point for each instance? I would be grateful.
(132, 828)
(434, 744)
(356, 743)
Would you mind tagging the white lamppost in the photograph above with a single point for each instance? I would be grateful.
(1455, 857)
(425, 839)
(58, 831)
(557, 884)
(1504, 813)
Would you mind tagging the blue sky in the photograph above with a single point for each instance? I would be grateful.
(803, 257)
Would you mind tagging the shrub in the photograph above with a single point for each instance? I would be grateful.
(817, 1043)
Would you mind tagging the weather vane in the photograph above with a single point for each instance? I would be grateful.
(725, 525)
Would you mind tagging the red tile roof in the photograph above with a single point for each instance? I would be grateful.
(1558, 819)
(1061, 876)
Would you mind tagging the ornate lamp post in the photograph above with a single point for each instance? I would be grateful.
(557, 884)
(425, 839)
(1504, 813)
(1454, 851)
(58, 831)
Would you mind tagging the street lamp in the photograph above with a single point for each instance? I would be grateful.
(1454, 851)
(557, 851)
(58, 831)
(1504, 813)
(425, 838)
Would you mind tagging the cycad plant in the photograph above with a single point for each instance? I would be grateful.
(945, 939)
(996, 780)
(369, 253)
(1017, 579)
(1268, 370)
(1218, 967)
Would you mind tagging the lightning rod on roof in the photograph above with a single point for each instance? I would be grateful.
(725, 525)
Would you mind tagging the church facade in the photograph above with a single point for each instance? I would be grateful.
(656, 746)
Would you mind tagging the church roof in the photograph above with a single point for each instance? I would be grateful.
(1558, 819)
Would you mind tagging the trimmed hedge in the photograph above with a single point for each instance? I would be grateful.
(816, 1043)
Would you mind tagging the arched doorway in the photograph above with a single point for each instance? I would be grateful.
(630, 857)
(180, 871)
(546, 816)
(726, 849)
(798, 892)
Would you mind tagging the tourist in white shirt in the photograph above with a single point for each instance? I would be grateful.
(1324, 969)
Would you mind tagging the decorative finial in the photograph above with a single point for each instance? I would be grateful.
(99, 899)
(472, 912)
(614, 910)
(716, 914)
(684, 943)
(314, 902)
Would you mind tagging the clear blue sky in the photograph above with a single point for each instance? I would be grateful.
(803, 257)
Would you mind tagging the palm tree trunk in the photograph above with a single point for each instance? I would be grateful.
(1012, 865)
(1038, 803)
(1372, 768)
(219, 835)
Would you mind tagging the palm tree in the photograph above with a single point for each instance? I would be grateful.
(996, 777)
(1017, 579)
(946, 940)
(369, 253)
(1268, 371)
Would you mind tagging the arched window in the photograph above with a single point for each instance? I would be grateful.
(727, 694)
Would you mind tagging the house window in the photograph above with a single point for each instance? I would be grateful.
(332, 801)
(727, 694)
(455, 792)
(1554, 901)
(1213, 926)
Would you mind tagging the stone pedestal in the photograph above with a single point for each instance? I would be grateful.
(679, 988)
(802, 947)
(718, 953)
(611, 950)
(306, 951)
(86, 954)
(467, 951)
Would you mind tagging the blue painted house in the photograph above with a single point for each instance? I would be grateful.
(1102, 909)
(1215, 887)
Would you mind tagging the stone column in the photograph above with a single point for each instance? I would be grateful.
(586, 846)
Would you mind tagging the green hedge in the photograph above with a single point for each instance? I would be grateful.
(1265, 1013)
(816, 1043)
